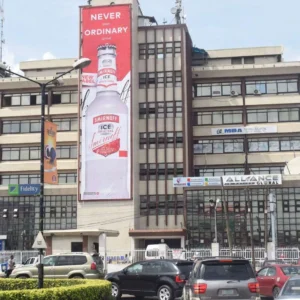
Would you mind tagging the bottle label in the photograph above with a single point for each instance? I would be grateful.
(107, 74)
(107, 136)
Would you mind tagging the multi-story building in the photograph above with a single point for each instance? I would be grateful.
(183, 98)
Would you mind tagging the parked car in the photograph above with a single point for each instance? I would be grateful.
(290, 290)
(164, 278)
(222, 278)
(272, 278)
(66, 265)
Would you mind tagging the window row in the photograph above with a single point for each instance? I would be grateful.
(33, 153)
(32, 126)
(160, 79)
(276, 144)
(159, 50)
(152, 140)
(35, 98)
(219, 89)
(63, 178)
(160, 171)
(253, 116)
(204, 171)
(160, 110)
(161, 204)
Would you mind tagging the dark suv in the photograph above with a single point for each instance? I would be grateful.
(222, 278)
(158, 277)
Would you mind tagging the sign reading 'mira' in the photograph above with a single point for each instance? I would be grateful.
(105, 110)
(250, 180)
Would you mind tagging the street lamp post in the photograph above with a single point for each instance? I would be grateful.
(215, 205)
(79, 64)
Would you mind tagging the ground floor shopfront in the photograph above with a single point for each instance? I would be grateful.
(242, 208)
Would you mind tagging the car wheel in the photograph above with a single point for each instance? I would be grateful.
(115, 290)
(165, 293)
(276, 292)
(22, 277)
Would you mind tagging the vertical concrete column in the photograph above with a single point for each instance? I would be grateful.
(102, 250)
(49, 245)
(85, 240)
(215, 249)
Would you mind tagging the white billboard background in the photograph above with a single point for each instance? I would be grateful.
(88, 94)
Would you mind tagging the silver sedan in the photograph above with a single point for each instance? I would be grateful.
(290, 290)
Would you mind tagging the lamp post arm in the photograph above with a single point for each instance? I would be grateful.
(61, 75)
(22, 76)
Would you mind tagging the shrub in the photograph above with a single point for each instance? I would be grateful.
(68, 289)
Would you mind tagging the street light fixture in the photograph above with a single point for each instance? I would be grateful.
(79, 64)
(214, 204)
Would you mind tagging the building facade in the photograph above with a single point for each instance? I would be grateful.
(189, 114)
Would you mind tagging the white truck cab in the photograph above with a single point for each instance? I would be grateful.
(158, 251)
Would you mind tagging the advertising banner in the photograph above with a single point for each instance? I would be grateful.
(244, 130)
(106, 103)
(250, 180)
(196, 181)
(50, 165)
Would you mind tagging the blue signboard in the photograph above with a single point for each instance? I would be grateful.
(29, 189)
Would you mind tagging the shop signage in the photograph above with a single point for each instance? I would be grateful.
(24, 189)
(250, 180)
(196, 181)
(244, 130)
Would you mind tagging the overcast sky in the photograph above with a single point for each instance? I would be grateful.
(36, 29)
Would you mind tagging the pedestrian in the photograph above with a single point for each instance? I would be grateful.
(10, 266)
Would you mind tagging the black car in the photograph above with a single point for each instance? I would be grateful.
(158, 277)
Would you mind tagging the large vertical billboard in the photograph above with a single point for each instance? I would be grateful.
(105, 108)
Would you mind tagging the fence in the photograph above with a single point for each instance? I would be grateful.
(19, 256)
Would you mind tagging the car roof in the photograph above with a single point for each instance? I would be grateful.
(222, 258)
(283, 265)
(169, 260)
(69, 253)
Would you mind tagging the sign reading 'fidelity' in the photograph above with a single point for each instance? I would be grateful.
(23, 189)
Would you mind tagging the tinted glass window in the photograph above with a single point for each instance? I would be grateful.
(49, 261)
(185, 269)
(79, 260)
(226, 271)
(291, 270)
(64, 261)
(292, 288)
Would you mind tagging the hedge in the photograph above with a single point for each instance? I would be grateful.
(55, 289)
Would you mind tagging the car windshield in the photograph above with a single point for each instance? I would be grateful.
(217, 270)
(291, 270)
(292, 288)
(185, 269)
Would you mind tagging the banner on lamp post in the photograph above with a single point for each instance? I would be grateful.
(50, 164)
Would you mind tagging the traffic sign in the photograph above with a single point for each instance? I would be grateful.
(39, 242)
(23, 189)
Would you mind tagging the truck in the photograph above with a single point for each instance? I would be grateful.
(158, 251)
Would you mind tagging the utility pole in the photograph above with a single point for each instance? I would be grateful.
(229, 237)
(249, 204)
(266, 222)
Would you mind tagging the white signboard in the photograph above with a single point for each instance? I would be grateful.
(196, 181)
(39, 242)
(244, 130)
(250, 180)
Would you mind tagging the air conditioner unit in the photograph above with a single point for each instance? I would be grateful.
(257, 92)
(234, 93)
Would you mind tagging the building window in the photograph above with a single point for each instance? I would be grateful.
(66, 124)
(274, 144)
(204, 171)
(249, 60)
(219, 146)
(273, 115)
(64, 178)
(21, 99)
(33, 153)
(160, 110)
(236, 60)
(218, 117)
(70, 97)
(21, 126)
(160, 79)
(159, 50)
(160, 171)
(161, 140)
(217, 89)
(267, 170)
(280, 86)
(142, 51)
(178, 78)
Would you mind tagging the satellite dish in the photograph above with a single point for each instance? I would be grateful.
(173, 10)
(292, 167)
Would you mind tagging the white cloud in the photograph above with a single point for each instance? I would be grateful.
(48, 55)
(10, 60)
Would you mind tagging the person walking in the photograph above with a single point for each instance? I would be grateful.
(10, 266)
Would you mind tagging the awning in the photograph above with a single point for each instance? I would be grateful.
(81, 232)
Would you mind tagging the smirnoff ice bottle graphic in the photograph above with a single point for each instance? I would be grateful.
(106, 142)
